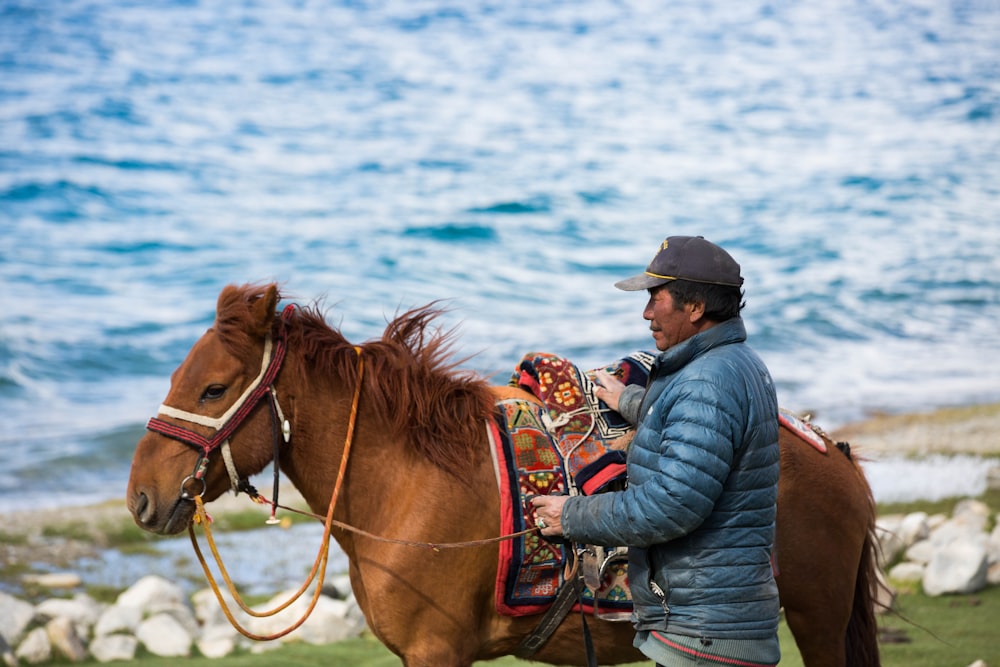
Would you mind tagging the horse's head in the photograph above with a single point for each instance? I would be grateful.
(215, 392)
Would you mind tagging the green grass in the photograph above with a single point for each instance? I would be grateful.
(946, 630)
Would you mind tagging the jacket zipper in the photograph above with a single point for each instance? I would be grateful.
(658, 592)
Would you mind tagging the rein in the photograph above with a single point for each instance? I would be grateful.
(433, 546)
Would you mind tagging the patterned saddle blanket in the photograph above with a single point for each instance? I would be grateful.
(563, 438)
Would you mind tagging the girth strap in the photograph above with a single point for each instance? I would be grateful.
(566, 596)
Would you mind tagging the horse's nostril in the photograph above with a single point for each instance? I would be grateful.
(141, 504)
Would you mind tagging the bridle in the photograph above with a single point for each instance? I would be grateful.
(225, 425)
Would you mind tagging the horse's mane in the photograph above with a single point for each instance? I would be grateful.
(410, 378)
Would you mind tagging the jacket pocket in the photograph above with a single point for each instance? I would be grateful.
(657, 581)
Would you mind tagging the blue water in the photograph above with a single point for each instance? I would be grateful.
(515, 158)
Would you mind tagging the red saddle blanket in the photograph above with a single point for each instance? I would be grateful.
(565, 438)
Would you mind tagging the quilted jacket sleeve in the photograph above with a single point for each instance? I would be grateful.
(678, 465)
(629, 403)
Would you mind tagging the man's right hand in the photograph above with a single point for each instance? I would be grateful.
(608, 388)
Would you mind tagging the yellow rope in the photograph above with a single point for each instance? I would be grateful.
(319, 565)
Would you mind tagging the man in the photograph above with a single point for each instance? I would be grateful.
(698, 512)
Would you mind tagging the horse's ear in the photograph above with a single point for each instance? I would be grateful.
(263, 309)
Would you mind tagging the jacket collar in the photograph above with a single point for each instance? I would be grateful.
(724, 333)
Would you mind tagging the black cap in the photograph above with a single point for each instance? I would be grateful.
(686, 258)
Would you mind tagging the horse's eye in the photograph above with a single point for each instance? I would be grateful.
(214, 392)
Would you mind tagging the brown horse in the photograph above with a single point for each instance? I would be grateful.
(419, 470)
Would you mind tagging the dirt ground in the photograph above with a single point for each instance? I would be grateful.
(960, 430)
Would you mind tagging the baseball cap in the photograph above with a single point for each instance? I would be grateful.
(686, 258)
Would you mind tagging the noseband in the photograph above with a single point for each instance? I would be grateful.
(233, 418)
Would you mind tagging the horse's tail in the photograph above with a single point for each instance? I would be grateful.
(862, 628)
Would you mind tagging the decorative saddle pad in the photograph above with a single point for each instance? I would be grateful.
(567, 431)
(802, 428)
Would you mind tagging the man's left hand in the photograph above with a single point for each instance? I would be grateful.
(548, 514)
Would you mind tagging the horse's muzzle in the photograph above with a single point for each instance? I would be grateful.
(174, 520)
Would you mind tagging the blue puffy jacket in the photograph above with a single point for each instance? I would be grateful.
(698, 513)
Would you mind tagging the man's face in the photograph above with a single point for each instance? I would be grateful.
(669, 325)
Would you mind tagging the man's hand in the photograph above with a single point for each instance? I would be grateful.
(608, 389)
(548, 514)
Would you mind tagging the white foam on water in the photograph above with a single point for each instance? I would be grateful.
(935, 477)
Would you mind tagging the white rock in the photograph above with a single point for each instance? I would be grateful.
(209, 613)
(83, 610)
(935, 520)
(36, 647)
(118, 618)
(111, 648)
(993, 574)
(921, 552)
(151, 591)
(65, 640)
(993, 545)
(164, 635)
(328, 622)
(340, 587)
(959, 567)
(885, 594)
(218, 641)
(913, 528)
(257, 648)
(979, 663)
(957, 529)
(16, 615)
(7, 656)
(181, 613)
(972, 511)
(206, 606)
(889, 538)
(354, 612)
(906, 572)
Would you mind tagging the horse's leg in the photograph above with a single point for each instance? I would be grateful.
(817, 602)
(428, 606)
(823, 517)
(423, 609)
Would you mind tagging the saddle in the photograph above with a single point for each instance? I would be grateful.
(553, 436)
